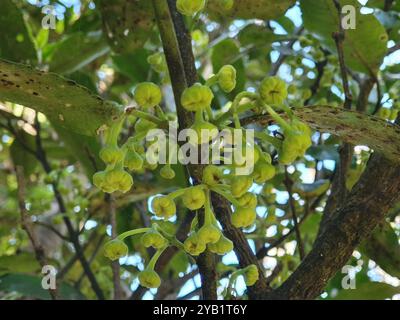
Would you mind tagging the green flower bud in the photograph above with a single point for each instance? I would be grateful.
(163, 207)
(209, 234)
(190, 7)
(203, 132)
(292, 89)
(111, 155)
(222, 246)
(157, 62)
(154, 239)
(263, 172)
(384, 113)
(296, 143)
(251, 275)
(119, 180)
(193, 245)
(273, 91)
(212, 175)
(149, 279)
(243, 217)
(167, 172)
(148, 95)
(248, 200)
(115, 249)
(240, 185)
(99, 180)
(143, 125)
(197, 98)
(133, 161)
(227, 78)
(194, 198)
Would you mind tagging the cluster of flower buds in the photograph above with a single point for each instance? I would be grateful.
(222, 179)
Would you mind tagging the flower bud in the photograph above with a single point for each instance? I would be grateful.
(212, 175)
(167, 172)
(149, 279)
(111, 155)
(193, 245)
(222, 246)
(273, 91)
(209, 234)
(263, 172)
(227, 78)
(248, 200)
(163, 207)
(203, 132)
(197, 98)
(157, 62)
(119, 180)
(115, 249)
(241, 185)
(148, 95)
(194, 198)
(190, 7)
(154, 239)
(133, 161)
(251, 275)
(243, 217)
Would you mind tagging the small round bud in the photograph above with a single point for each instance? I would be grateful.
(240, 185)
(167, 172)
(273, 91)
(212, 175)
(251, 275)
(248, 200)
(154, 239)
(190, 7)
(157, 62)
(202, 132)
(148, 95)
(111, 155)
(263, 172)
(243, 217)
(133, 161)
(193, 245)
(194, 198)
(222, 246)
(115, 249)
(227, 78)
(149, 279)
(119, 180)
(163, 207)
(209, 234)
(197, 98)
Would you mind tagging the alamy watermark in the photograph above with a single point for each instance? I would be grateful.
(49, 280)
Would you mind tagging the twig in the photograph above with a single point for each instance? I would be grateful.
(114, 233)
(339, 38)
(27, 225)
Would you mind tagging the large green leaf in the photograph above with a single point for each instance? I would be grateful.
(64, 58)
(369, 291)
(63, 101)
(21, 263)
(252, 9)
(31, 286)
(364, 47)
(383, 247)
(127, 24)
(15, 39)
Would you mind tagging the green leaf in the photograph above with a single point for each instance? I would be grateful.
(31, 286)
(383, 247)
(133, 65)
(364, 47)
(310, 190)
(20, 156)
(63, 101)
(253, 9)
(369, 291)
(15, 39)
(90, 47)
(21, 263)
(127, 24)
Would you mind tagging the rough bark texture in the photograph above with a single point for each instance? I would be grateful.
(366, 206)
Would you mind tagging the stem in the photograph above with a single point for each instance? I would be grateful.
(131, 233)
